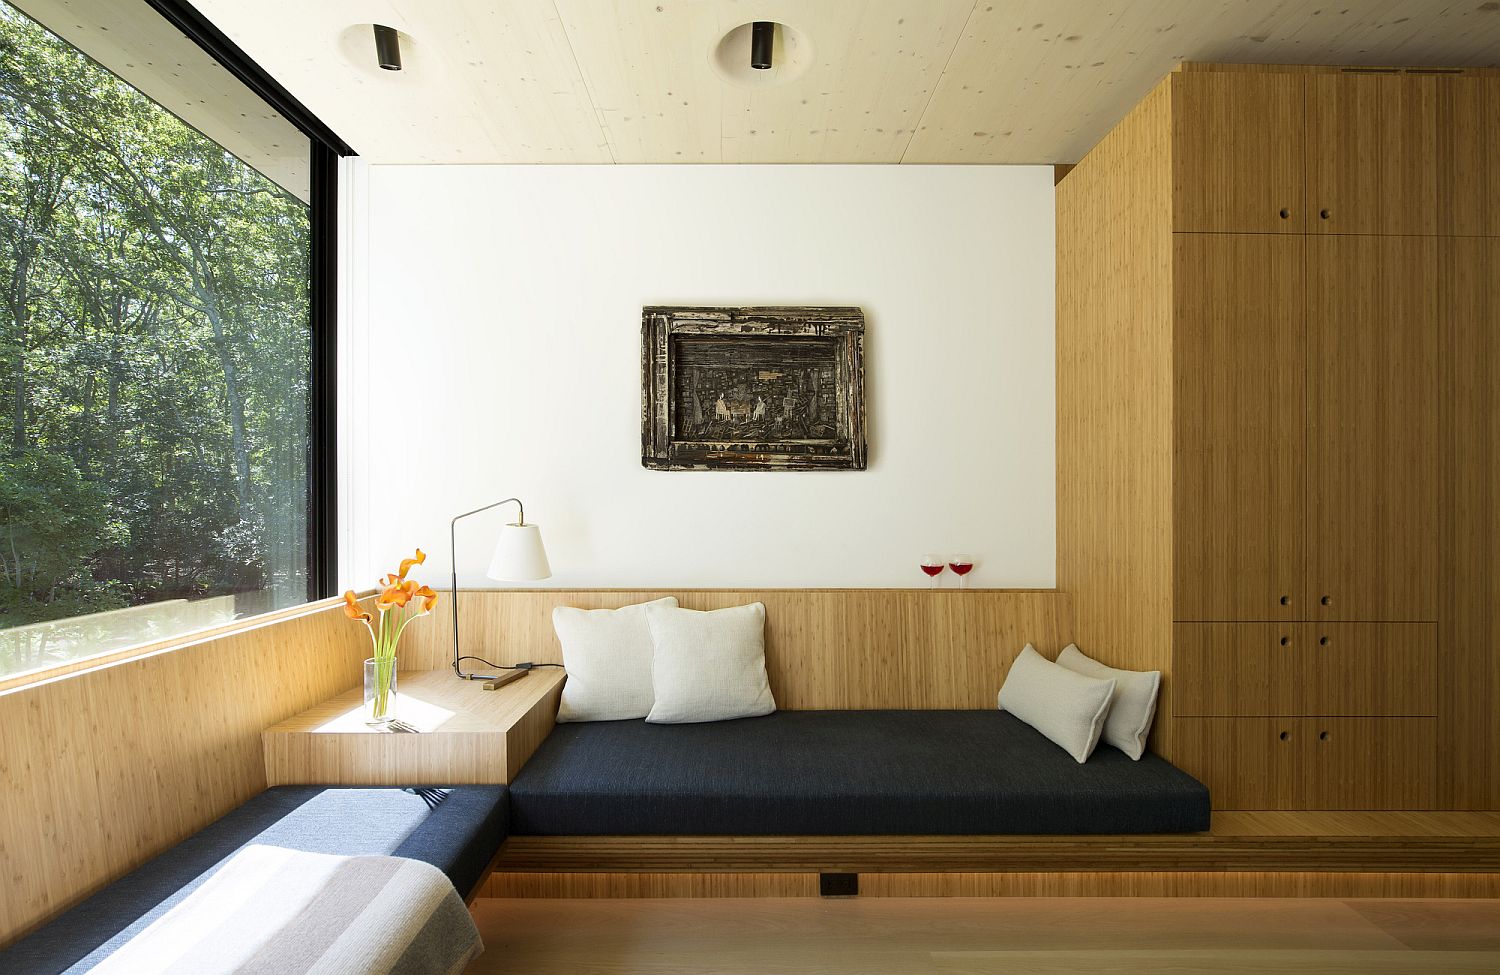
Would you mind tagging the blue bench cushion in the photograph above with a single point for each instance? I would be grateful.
(457, 830)
(842, 773)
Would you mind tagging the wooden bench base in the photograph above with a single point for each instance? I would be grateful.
(1245, 854)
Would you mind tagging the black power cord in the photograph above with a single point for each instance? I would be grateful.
(525, 666)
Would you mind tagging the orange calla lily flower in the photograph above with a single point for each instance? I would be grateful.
(406, 564)
(429, 598)
(353, 610)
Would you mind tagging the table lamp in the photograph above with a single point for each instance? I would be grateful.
(519, 556)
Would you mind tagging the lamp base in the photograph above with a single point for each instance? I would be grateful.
(504, 679)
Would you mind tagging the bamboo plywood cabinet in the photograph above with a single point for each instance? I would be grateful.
(1284, 669)
(825, 648)
(1471, 604)
(1114, 383)
(1237, 153)
(103, 769)
(1332, 434)
(1372, 165)
(1238, 424)
(468, 735)
(1373, 384)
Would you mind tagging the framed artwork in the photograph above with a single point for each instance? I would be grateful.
(752, 389)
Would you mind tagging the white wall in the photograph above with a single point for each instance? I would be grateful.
(502, 334)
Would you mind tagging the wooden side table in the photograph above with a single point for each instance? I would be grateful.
(468, 735)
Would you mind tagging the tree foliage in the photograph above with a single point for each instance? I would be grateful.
(153, 350)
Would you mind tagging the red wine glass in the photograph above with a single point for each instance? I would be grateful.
(933, 566)
(961, 565)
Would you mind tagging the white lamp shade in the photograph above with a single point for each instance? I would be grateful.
(519, 555)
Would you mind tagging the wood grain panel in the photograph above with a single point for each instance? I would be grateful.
(1373, 381)
(1179, 883)
(1372, 154)
(1468, 147)
(825, 648)
(102, 769)
(1114, 391)
(1259, 841)
(471, 735)
(1470, 736)
(1238, 421)
(1313, 763)
(1237, 153)
(636, 885)
(1259, 669)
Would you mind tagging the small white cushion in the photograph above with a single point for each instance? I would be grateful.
(1134, 704)
(708, 666)
(1068, 708)
(607, 654)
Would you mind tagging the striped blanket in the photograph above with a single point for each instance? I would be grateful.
(273, 911)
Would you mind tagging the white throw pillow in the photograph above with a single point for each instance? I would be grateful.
(1068, 708)
(708, 666)
(1134, 704)
(607, 654)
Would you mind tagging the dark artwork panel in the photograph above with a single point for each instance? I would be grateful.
(778, 388)
(751, 390)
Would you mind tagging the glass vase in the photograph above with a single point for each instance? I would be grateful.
(380, 691)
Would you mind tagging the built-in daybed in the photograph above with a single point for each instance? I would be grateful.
(843, 773)
(458, 830)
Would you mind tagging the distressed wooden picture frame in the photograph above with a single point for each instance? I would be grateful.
(752, 389)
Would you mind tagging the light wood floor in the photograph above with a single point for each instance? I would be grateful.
(986, 936)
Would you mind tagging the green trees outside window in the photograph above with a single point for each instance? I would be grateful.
(154, 366)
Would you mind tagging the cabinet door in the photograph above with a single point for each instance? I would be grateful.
(1372, 452)
(1372, 154)
(1311, 763)
(1299, 669)
(1239, 360)
(1237, 152)
(1469, 156)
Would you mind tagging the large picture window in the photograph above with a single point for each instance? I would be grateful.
(155, 350)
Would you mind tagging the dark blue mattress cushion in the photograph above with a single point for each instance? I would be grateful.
(458, 830)
(842, 773)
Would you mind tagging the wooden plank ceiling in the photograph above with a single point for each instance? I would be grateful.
(939, 81)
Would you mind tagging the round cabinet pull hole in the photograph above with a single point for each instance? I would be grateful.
(1322, 641)
(1286, 736)
(1286, 600)
(1326, 600)
(1286, 641)
(1322, 736)
(1285, 213)
(1324, 214)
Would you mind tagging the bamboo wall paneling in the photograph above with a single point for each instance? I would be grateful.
(1114, 386)
(104, 768)
(1238, 425)
(1468, 147)
(1237, 153)
(825, 648)
(1312, 762)
(1373, 381)
(1471, 527)
(1288, 669)
(1372, 154)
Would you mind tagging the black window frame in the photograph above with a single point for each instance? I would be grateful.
(326, 149)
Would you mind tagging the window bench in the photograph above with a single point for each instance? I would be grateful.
(457, 830)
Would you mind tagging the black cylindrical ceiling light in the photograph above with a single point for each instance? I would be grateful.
(762, 36)
(388, 47)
